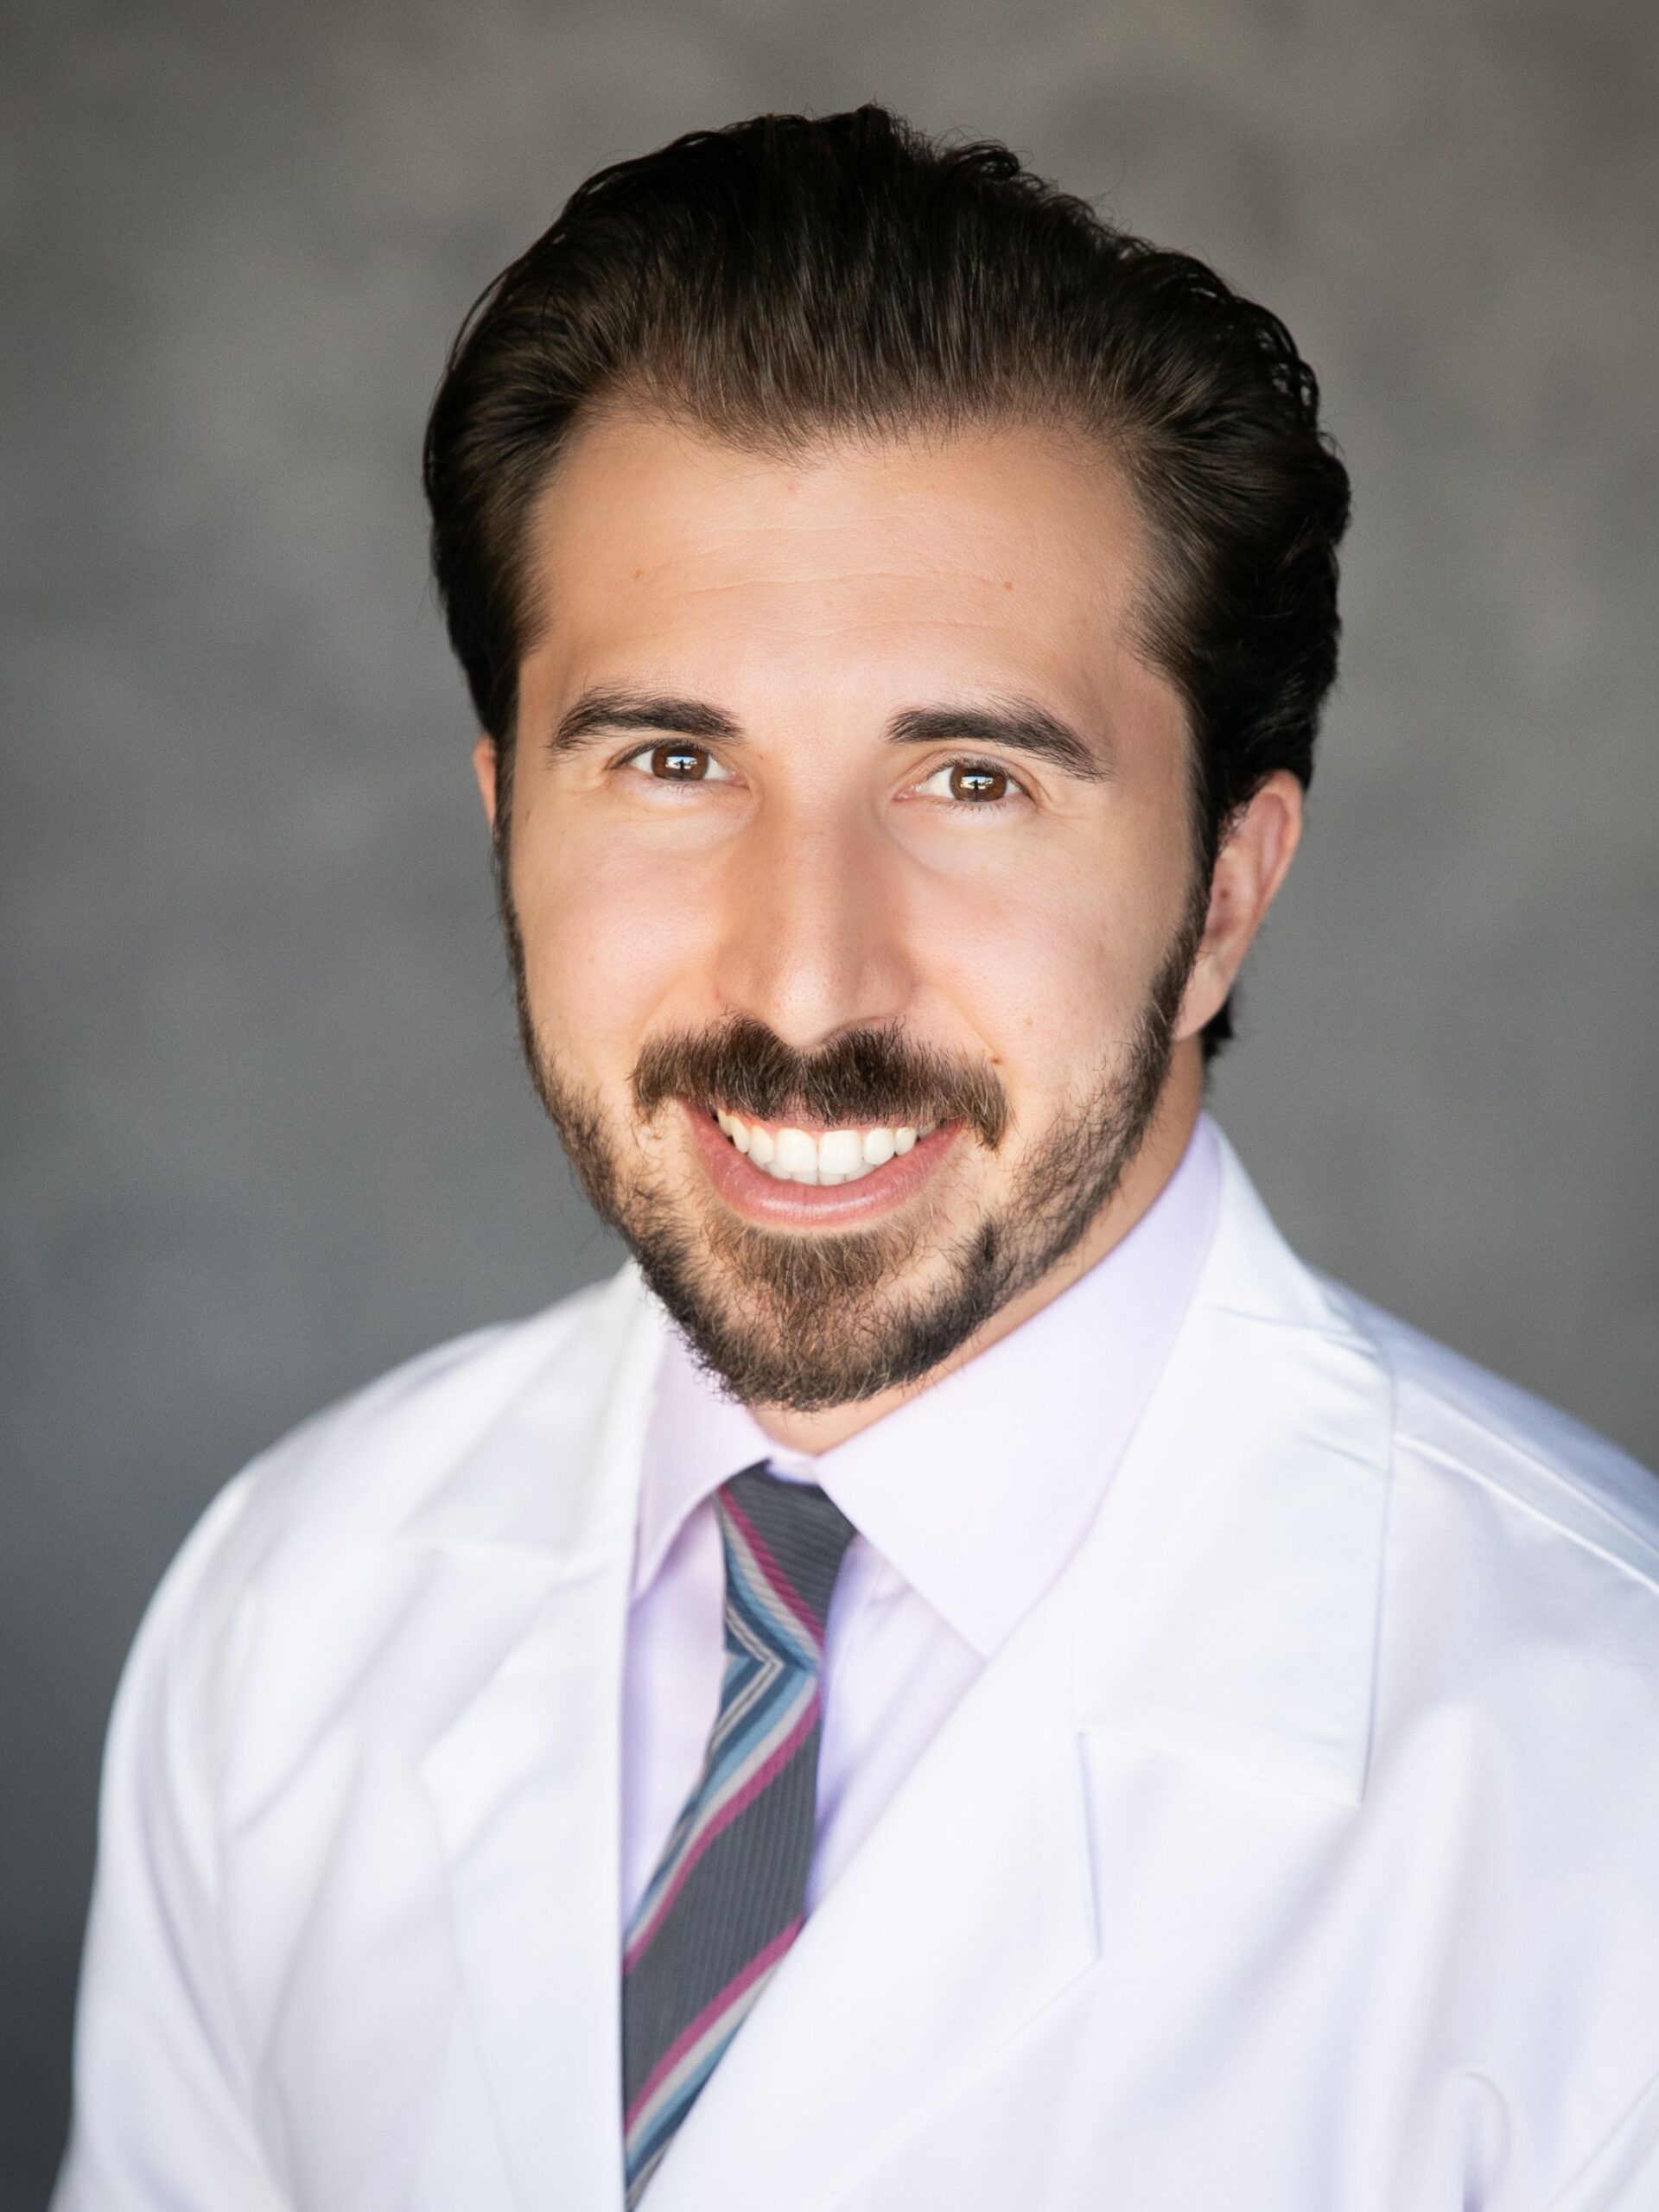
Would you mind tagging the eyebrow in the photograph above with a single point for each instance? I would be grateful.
(607, 709)
(1012, 726)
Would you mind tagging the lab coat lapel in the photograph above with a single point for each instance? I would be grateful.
(524, 1779)
(1235, 1569)
(1223, 1608)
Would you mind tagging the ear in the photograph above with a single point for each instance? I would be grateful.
(1249, 868)
(484, 766)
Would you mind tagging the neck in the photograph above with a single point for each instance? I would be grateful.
(1160, 1154)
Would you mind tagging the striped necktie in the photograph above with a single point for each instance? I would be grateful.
(728, 1898)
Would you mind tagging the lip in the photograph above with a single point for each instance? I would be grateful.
(749, 1190)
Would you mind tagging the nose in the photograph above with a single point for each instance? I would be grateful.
(812, 942)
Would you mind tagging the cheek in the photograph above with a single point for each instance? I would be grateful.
(608, 935)
(1050, 966)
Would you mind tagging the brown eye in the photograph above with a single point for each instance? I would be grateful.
(679, 763)
(973, 780)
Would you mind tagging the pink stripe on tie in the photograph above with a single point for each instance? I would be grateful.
(699, 1839)
(762, 1963)
(789, 1598)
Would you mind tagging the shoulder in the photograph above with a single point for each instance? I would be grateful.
(1457, 1426)
(370, 1459)
(1513, 1767)
(1517, 1654)
(1456, 1438)
(321, 1502)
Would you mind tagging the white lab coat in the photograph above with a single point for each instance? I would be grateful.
(1299, 1852)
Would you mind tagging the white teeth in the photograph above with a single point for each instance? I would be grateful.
(841, 1153)
(792, 1155)
(734, 1127)
(797, 1155)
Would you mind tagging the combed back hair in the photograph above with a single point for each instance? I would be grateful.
(792, 279)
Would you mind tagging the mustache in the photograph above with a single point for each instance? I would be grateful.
(875, 1075)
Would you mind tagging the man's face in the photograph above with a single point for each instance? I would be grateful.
(842, 804)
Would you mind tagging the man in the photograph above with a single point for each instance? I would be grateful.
(966, 1677)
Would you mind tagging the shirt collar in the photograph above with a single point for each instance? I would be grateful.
(977, 1490)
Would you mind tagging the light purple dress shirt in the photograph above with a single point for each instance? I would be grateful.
(967, 1500)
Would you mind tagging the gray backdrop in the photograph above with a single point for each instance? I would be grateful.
(266, 1134)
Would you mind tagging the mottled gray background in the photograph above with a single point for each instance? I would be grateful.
(266, 1132)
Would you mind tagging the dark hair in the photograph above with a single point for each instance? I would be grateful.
(793, 277)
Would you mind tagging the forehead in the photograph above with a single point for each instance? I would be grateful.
(1014, 554)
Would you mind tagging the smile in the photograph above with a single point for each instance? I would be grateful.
(795, 1155)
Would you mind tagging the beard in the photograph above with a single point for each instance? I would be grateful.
(807, 1320)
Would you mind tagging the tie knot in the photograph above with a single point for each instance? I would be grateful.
(784, 1543)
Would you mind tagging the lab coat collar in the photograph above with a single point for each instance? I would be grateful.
(531, 1538)
(554, 1469)
(1234, 1577)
